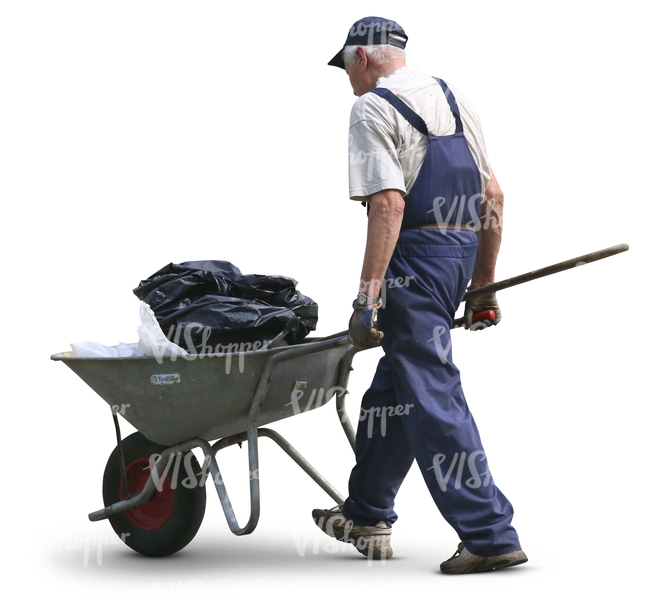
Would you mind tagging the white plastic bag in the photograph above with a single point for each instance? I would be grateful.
(127, 349)
(152, 342)
(152, 339)
(93, 350)
(97, 350)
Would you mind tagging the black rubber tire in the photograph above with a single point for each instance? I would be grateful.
(188, 505)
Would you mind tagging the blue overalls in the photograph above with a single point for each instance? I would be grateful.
(415, 407)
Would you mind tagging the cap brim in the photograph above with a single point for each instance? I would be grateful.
(337, 61)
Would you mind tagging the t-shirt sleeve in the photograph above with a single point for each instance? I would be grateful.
(372, 154)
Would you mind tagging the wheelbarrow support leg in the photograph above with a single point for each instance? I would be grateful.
(252, 437)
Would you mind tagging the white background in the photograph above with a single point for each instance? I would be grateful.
(134, 134)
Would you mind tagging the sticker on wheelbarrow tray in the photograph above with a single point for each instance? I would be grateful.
(165, 378)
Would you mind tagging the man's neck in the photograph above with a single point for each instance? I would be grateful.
(387, 69)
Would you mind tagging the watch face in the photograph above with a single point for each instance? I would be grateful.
(363, 300)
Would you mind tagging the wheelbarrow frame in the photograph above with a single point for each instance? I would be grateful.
(251, 435)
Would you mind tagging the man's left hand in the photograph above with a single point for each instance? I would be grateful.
(478, 303)
(362, 332)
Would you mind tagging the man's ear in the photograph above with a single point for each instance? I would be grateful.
(363, 57)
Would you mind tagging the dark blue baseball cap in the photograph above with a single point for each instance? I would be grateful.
(371, 31)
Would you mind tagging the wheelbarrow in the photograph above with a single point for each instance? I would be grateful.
(153, 486)
(154, 492)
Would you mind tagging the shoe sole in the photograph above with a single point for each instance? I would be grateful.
(485, 567)
(342, 534)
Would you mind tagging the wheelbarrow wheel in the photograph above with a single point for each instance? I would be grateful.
(169, 520)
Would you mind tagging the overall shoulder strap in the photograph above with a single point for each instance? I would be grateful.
(411, 116)
(451, 100)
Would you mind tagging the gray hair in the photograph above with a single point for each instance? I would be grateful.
(379, 54)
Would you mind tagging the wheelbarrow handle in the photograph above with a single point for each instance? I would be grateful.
(486, 317)
(549, 270)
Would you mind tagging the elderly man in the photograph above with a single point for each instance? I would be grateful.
(417, 158)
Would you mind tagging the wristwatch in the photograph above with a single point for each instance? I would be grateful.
(363, 300)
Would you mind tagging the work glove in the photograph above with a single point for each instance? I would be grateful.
(362, 332)
(479, 302)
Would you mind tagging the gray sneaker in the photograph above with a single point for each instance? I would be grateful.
(372, 541)
(463, 561)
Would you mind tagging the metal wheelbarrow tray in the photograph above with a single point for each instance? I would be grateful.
(154, 493)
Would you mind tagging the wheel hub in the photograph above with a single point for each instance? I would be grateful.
(155, 512)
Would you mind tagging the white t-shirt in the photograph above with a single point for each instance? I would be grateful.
(386, 151)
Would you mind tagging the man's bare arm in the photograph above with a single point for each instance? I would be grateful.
(384, 223)
(489, 235)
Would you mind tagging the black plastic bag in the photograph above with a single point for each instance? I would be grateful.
(203, 304)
